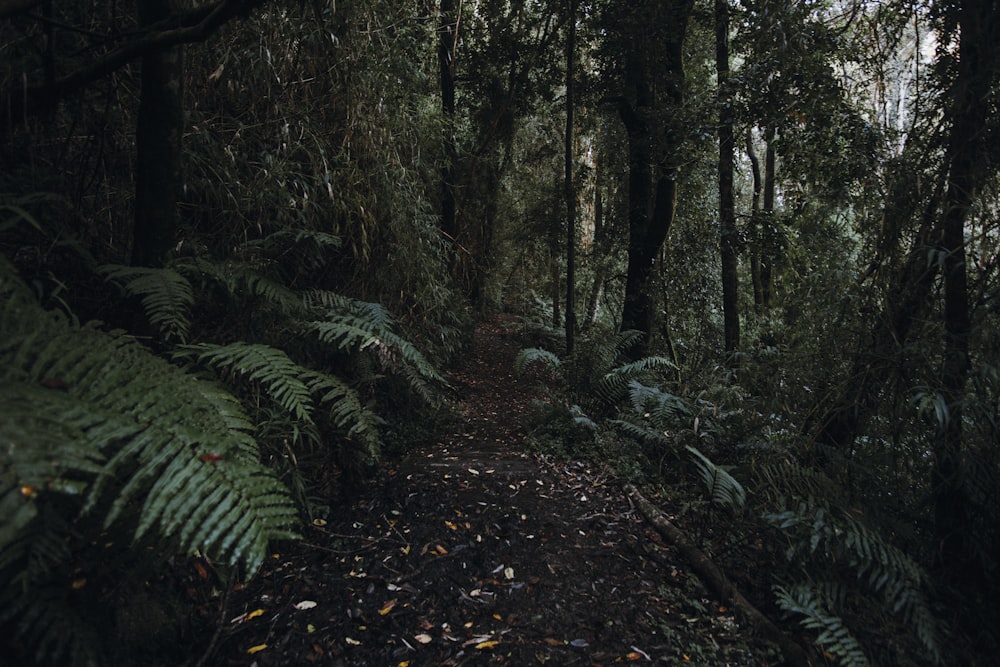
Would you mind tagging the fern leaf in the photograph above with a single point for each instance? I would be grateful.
(535, 355)
(833, 635)
(165, 294)
(722, 487)
(145, 413)
(268, 366)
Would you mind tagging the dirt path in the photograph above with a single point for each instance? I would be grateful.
(475, 552)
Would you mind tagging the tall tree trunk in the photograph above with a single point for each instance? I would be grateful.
(652, 206)
(159, 129)
(570, 189)
(758, 287)
(728, 242)
(979, 57)
(447, 42)
(770, 184)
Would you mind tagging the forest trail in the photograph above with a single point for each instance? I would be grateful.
(474, 551)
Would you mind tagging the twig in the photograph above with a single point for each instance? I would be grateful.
(717, 581)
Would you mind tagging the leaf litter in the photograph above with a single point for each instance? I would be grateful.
(472, 551)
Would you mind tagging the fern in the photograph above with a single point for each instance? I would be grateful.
(824, 533)
(100, 435)
(535, 355)
(722, 487)
(267, 366)
(833, 636)
(359, 326)
(613, 385)
(165, 294)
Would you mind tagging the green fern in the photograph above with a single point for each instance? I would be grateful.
(722, 487)
(534, 355)
(165, 294)
(824, 533)
(100, 435)
(271, 368)
(833, 635)
(358, 326)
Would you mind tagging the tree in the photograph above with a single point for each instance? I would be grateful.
(650, 40)
(158, 134)
(570, 189)
(729, 241)
(967, 155)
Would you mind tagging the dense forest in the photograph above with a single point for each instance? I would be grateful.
(750, 247)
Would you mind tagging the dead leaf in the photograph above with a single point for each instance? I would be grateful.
(305, 604)
(423, 638)
(256, 649)
(387, 607)
(487, 644)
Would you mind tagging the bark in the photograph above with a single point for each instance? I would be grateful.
(758, 287)
(728, 242)
(770, 181)
(979, 55)
(718, 582)
(652, 192)
(159, 129)
(570, 189)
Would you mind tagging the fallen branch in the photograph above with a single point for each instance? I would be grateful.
(717, 581)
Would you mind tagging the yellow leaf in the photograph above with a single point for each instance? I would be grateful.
(256, 649)
(488, 644)
(387, 607)
(78, 583)
(451, 525)
(319, 523)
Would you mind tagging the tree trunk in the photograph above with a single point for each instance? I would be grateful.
(979, 56)
(651, 210)
(758, 286)
(728, 242)
(447, 41)
(767, 258)
(159, 129)
(570, 190)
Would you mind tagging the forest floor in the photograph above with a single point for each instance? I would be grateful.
(475, 551)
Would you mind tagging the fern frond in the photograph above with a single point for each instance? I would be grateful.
(663, 409)
(535, 355)
(268, 366)
(368, 330)
(608, 351)
(165, 294)
(162, 439)
(613, 386)
(52, 444)
(641, 432)
(346, 409)
(834, 636)
(722, 487)
(240, 281)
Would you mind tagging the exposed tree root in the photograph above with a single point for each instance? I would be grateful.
(717, 581)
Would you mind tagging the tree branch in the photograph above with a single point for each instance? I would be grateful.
(716, 580)
(19, 102)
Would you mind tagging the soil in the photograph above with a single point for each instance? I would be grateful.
(475, 551)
